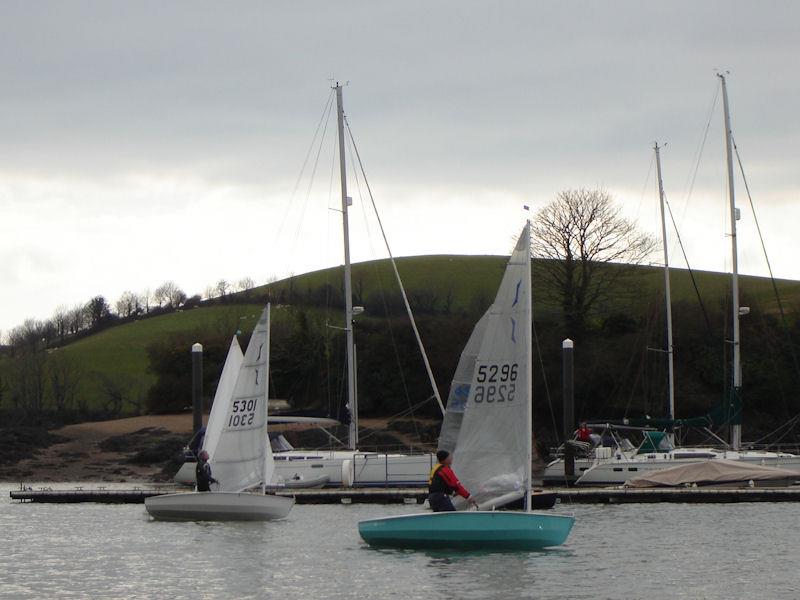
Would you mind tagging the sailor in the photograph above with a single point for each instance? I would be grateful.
(584, 433)
(443, 483)
(203, 473)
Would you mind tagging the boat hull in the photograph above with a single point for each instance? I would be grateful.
(218, 506)
(367, 469)
(468, 530)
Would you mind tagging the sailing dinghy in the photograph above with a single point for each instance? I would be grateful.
(488, 427)
(237, 443)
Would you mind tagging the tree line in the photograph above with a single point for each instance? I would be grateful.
(587, 288)
(67, 323)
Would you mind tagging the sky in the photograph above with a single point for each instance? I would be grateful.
(147, 141)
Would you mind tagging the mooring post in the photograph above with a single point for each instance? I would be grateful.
(197, 387)
(568, 377)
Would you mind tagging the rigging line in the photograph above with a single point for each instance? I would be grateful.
(397, 275)
(544, 378)
(699, 152)
(790, 424)
(311, 179)
(396, 416)
(328, 281)
(322, 118)
(383, 298)
(766, 258)
(644, 187)
(688, 265)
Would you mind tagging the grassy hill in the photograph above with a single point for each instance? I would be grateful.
(462, 285)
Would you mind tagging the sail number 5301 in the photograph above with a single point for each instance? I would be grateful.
(496, 383)
(243, 413)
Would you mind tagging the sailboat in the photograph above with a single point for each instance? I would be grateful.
(488, 426)
(351, 466)
(237, 442)
(619, 465)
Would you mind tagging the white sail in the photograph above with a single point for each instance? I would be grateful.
(459, 388)
(222, 397)
(242, 457)
(491, 454)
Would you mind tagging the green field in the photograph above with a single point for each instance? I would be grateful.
(435, 285)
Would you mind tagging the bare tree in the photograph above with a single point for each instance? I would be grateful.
(76, 319)
(169, 294)
(64, 374)
(223, 287)
(210, 292)
(127, 304)
(61, 321)
(582, 232)
(244, 284)
(144, 299)
(29, 379)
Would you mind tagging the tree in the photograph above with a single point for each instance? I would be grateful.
(169, 294)
(144, 300)
(65, 376)
(244, 284)
(76, 319)
(127, 305)
(222, 288)
(582, 232)
(61, 321)
(97, 311)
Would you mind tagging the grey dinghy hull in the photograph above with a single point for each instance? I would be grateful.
(218, 506)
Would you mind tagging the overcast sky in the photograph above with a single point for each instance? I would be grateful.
(145, 141)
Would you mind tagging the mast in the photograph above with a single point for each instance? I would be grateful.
(529, 369)
(667, 292)
(266, 408)
(736, 428)
(352, 441)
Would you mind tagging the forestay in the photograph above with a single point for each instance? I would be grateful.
(242, 457)
(222, 397)
(491, 452)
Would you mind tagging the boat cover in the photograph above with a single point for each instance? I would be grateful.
(711, 472)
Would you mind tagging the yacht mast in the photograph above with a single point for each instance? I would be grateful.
(736, 429)
(352, 441)
(667, 293)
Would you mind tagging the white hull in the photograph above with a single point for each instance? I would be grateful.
(618, 470)
(218, 506)
(359, 469)
(344, 468)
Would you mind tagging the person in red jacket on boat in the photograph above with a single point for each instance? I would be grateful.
(443, 483)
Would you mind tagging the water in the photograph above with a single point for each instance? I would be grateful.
(625, 551)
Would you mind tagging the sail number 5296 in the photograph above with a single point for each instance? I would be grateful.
(496, 383)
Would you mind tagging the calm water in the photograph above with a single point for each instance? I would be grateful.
(628, 551)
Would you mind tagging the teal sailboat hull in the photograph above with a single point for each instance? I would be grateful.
(468, 530)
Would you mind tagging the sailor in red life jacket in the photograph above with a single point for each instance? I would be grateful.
(443, 483)
(584, 433)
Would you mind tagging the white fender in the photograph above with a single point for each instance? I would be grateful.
(348, 473)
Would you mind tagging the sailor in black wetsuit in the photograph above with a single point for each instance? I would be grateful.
(203, 473)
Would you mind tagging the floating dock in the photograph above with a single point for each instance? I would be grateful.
(542, 500)
(620, 495)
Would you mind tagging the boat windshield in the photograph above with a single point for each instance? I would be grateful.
(279, 443)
